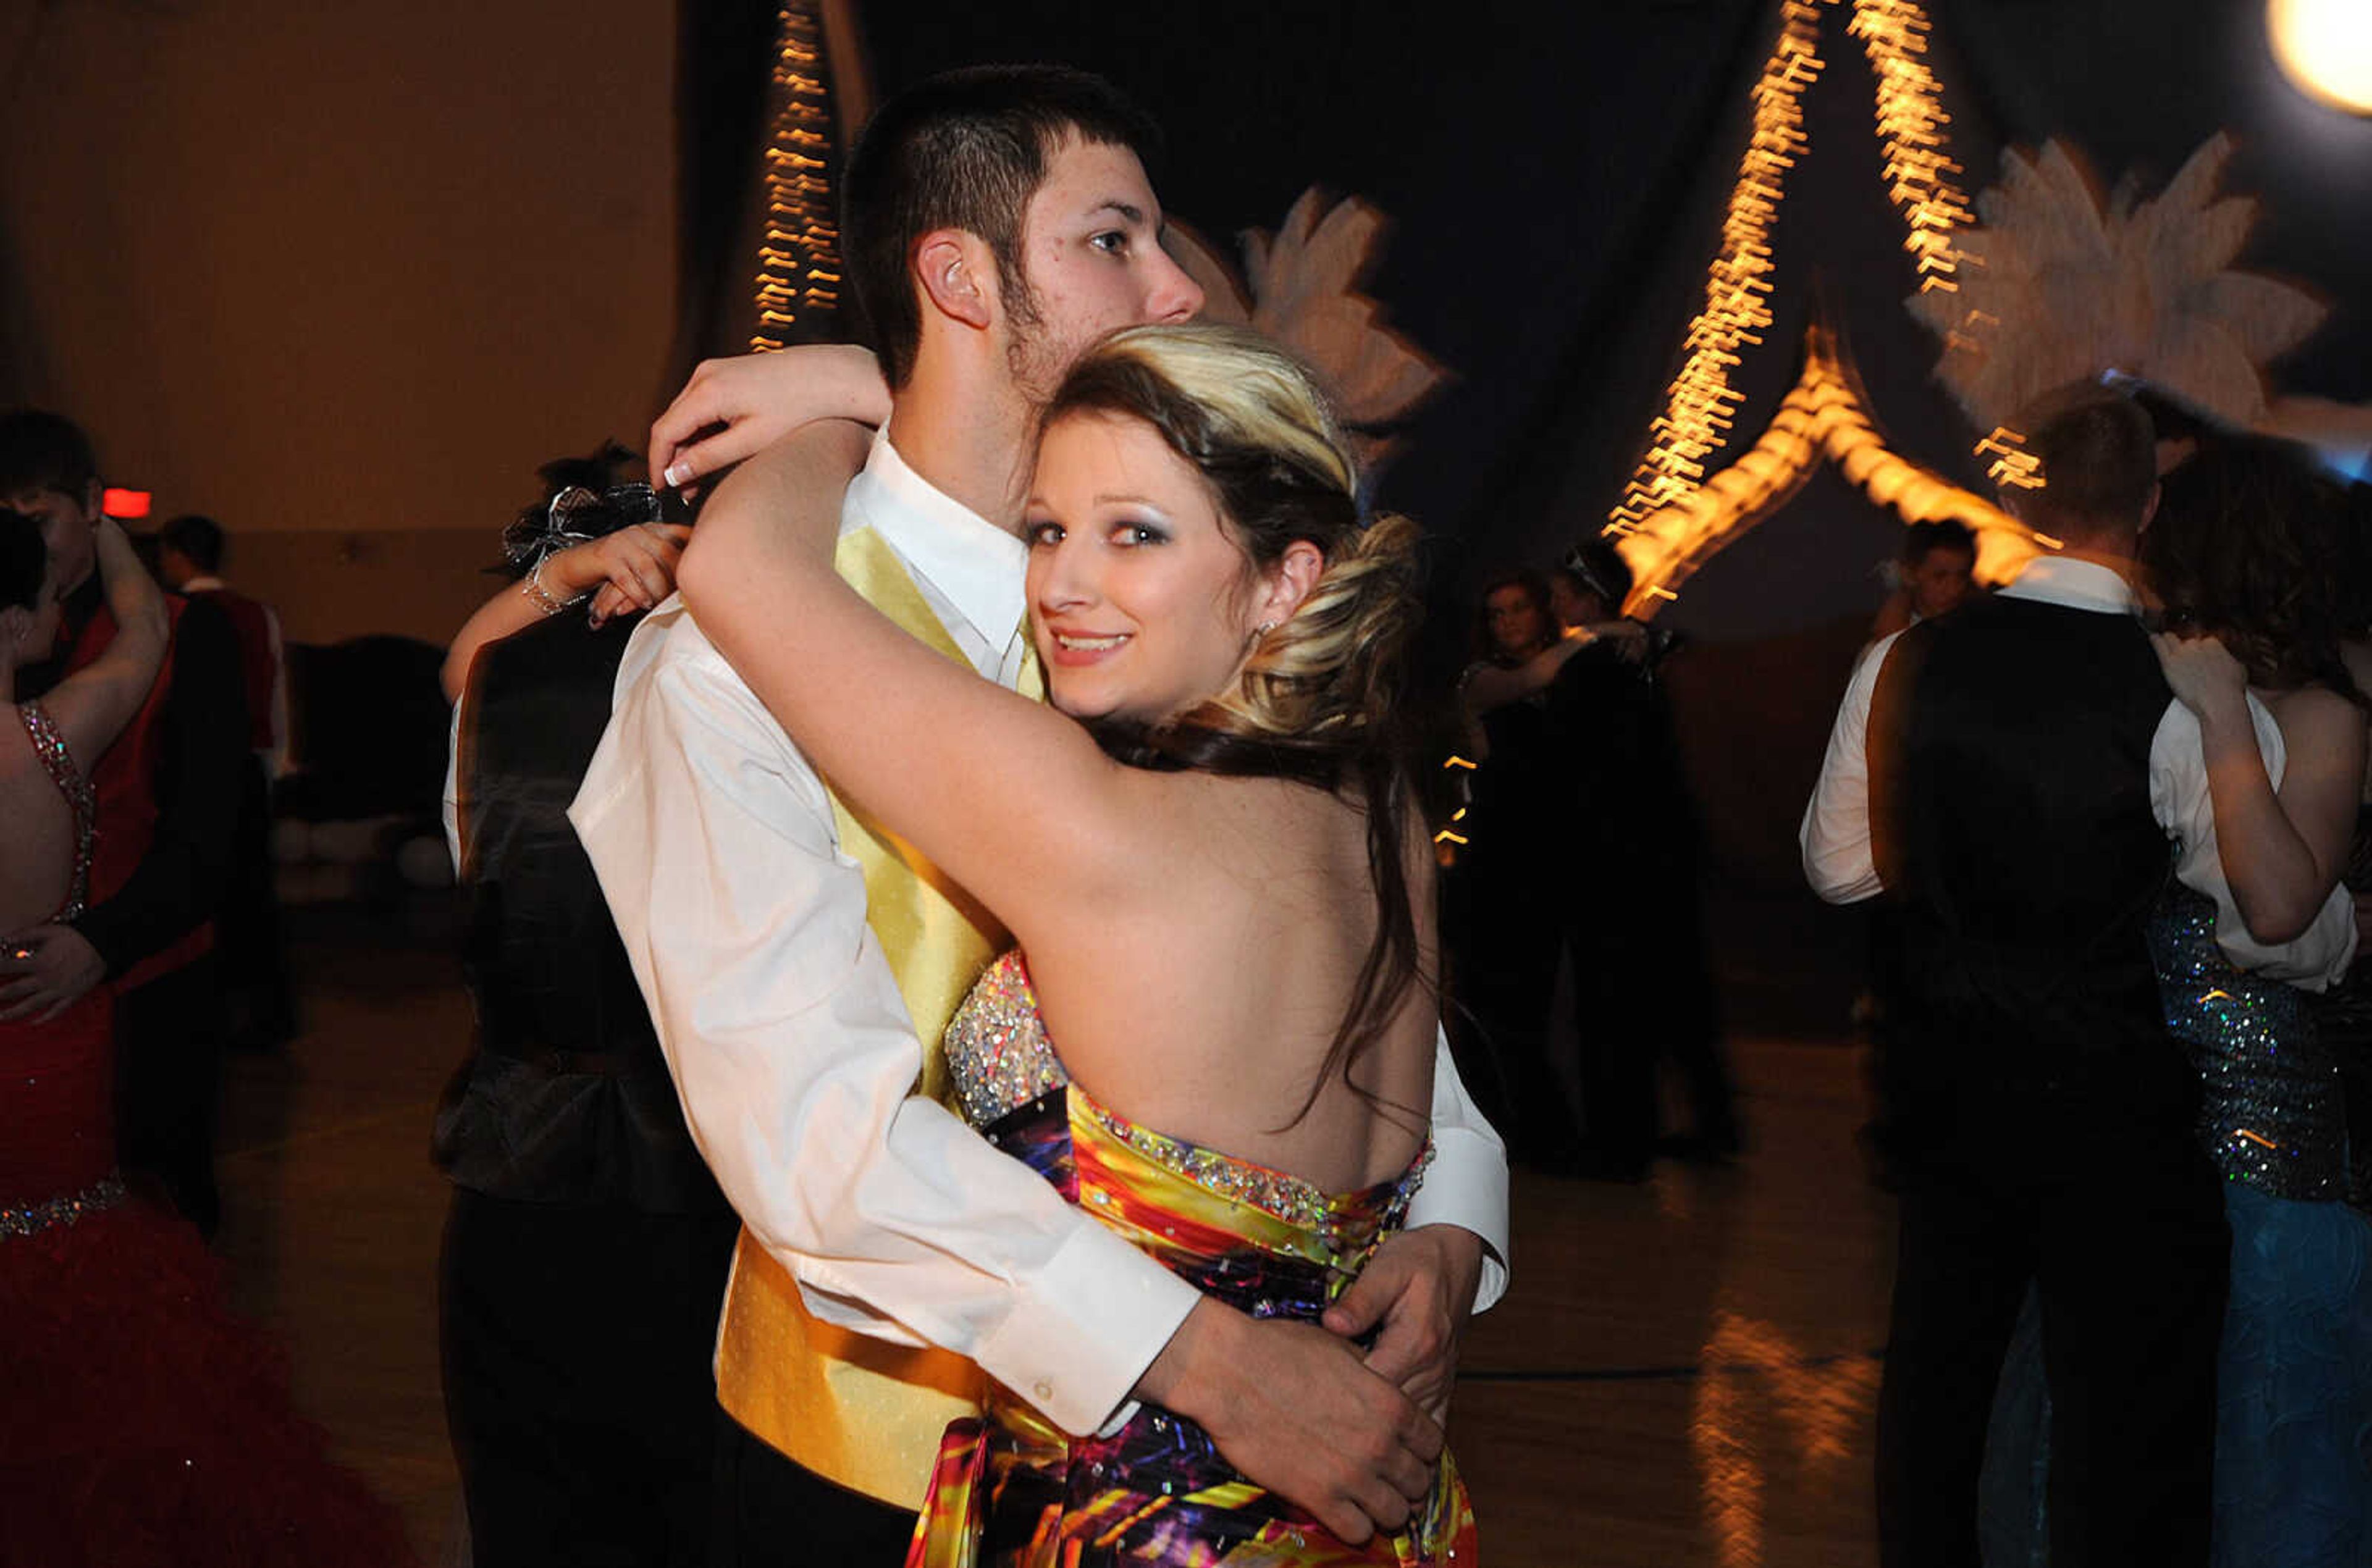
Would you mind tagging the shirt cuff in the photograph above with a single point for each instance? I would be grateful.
(1467, 1187)
(1083, 1332)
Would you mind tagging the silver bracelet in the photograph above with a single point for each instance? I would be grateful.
(541, 597)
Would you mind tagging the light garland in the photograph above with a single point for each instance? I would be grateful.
(1698, 405)
(1672, 516)
(1822, 418)
(1911, 121)
(799, 259)
(2012, 468)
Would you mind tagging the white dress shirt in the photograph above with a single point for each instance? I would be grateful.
(793, 1051)
(1835, 833)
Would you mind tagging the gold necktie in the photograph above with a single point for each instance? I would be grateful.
(1030, 680)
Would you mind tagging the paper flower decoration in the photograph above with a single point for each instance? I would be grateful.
(1300, 287)
(2058, 285)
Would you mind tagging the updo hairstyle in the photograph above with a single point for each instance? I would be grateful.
(1318, 700)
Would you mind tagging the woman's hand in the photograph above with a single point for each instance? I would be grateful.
(732, 409)
(630, 570)
(2206, 679)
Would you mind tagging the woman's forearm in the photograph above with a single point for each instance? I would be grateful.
(1492, 687)
(2275, 876)
(132, 596)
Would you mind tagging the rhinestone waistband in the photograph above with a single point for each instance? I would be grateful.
(29, 1219)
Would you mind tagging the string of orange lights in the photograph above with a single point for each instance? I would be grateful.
(1672, 516)
(1698, 405)
(1823, 417)
(799, 258)
(1910, 128)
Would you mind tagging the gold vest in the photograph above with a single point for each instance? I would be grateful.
(859, 1412)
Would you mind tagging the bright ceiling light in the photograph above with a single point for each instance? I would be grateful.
(2326, 48)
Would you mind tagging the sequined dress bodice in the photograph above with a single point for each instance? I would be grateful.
(2271, 1114)
(49, 746)
(1002, 1062)
(1155, 1490)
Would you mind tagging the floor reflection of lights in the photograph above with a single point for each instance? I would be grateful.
(1758, 1386)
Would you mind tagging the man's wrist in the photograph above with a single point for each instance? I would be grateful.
(1179, 1377)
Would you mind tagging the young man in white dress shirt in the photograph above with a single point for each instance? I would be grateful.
(997, 222)
(2009, 776)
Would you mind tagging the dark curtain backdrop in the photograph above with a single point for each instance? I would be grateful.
(1557, 177)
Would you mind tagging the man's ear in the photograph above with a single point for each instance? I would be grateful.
(93, 494)
(2149, 510)
(957, 273)
(14, 622)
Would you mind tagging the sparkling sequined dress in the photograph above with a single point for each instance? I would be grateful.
(1010, 1489)
(139, 1423)
(2293, 1374)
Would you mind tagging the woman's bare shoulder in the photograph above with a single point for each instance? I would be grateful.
(2305, 711)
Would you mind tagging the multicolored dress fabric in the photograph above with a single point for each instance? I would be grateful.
(2293, 1373)
(1013, 1491)
(144, 1426)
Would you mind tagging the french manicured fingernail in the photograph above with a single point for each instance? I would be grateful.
(677, 475)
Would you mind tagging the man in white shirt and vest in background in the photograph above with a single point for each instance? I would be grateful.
(799, 968)
(2008, 775)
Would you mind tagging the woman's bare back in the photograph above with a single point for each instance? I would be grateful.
(37, 831)
(1202, 1001)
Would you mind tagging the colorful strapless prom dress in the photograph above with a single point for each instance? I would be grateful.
(1013, 1491)
(140, 1424)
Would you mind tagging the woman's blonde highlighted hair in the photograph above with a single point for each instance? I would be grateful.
(1319, 699)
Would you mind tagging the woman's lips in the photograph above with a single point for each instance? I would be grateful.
(1074, 650)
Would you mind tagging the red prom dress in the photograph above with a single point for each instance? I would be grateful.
(140, 1423)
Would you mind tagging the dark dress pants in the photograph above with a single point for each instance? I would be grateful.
(247, 931)
(1502, 923)
(771, 1513)
(169, 1086)
(2127, 1246)
(577, 1389)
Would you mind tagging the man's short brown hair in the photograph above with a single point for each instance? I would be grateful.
(965, 150)
(2096, 452)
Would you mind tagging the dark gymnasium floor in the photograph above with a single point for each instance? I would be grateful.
(1684, 1374)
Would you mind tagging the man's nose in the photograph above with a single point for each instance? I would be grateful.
(1175, 297)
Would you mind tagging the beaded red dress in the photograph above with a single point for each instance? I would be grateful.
(139, 1423)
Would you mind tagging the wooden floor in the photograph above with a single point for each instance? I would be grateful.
(1683, 1375)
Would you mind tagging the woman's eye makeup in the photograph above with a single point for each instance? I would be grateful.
(1132, 533)
(1045, 530)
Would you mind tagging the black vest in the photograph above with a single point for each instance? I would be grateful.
(2011, 822)
(568, 1099)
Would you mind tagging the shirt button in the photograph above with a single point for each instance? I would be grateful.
(1043, 1389)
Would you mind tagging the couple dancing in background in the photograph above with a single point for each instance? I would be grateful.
(2100, 1085)
(1223, 1148)
(144, 1425)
